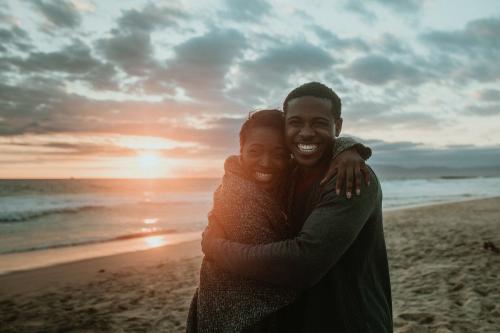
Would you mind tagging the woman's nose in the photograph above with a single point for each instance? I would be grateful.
(265, 161)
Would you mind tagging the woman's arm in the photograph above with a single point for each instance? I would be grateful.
(348, 164)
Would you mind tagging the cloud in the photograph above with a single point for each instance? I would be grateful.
(132, 52)
(130, 46)
(151, 17)
(242, 10)
(75, 60)
(472, 53)
(378, 70)
(45, 108)
(405, 6)
(417, 156)
(15, 38)
(61, 13)
(84, 6)
(267, 77)
(332, 40)
(366, 11)
(387, 115)
(491, 109)
(202, 63)
(390, 44)
(358, 7)
(384, 146)
(479, 37)
(488, 95)
(72, 149)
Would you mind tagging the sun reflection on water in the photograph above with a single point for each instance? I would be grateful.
(155, 241)
(150, 221)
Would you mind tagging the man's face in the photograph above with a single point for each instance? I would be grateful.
(309, 129)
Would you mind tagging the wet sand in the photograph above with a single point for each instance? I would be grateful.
(443, 280)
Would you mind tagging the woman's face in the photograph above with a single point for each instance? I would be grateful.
(264, 156)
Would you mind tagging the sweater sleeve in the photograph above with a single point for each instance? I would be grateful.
(344, 143)
(302, 261)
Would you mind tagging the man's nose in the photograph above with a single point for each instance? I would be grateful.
(306, 132)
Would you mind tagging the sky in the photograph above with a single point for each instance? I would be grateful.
(160, 88)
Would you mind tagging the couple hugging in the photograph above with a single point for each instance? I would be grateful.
(285, 250)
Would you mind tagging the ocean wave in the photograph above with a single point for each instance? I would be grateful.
(26, 215)
(92, 241)
(26, 208)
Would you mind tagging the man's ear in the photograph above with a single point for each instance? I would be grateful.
(338, 126)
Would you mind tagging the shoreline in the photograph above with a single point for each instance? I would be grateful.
(74, 272)
(46, 258)
(17, 262)
(443, 280)
(439, 203)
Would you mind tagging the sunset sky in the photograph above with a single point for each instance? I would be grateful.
(160, 88)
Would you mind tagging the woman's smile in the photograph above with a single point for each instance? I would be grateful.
(263, 176)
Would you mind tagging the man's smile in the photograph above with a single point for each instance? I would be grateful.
(308, 148)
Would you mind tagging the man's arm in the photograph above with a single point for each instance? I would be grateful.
(343, 143)
(302, 261)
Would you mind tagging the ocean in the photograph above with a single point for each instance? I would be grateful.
(37, 215)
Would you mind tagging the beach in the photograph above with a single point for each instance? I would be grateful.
(443, 280)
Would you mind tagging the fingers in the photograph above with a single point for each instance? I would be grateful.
(366, 173)
(340, 180)
(332, 171)
(357, 180)
(349, 182)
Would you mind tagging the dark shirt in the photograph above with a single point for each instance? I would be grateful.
(338, 258)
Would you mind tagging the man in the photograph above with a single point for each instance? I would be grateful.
(338, 255)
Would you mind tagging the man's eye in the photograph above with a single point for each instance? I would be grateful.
(321, 123)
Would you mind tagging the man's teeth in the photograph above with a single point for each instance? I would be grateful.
(263, 177)
(307, 148)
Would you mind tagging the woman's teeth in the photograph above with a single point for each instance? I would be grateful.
(307, 148)
(263, 177)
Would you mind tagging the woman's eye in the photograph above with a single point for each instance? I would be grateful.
(281, 155)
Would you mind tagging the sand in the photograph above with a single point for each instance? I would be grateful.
(443, 280)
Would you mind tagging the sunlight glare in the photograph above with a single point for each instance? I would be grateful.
(149, 160)
(155, 241)
(151, 165)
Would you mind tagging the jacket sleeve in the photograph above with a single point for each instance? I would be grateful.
(302, 261)
(344, 143)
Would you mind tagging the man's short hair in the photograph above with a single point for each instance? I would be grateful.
(315, 89)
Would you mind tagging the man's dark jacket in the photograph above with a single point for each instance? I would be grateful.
(338, 258)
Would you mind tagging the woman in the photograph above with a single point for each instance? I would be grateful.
(249, 205)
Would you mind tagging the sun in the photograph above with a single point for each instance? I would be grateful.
(150, 164)
(149, 160)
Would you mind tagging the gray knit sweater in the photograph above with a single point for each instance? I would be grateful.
(225, 302)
